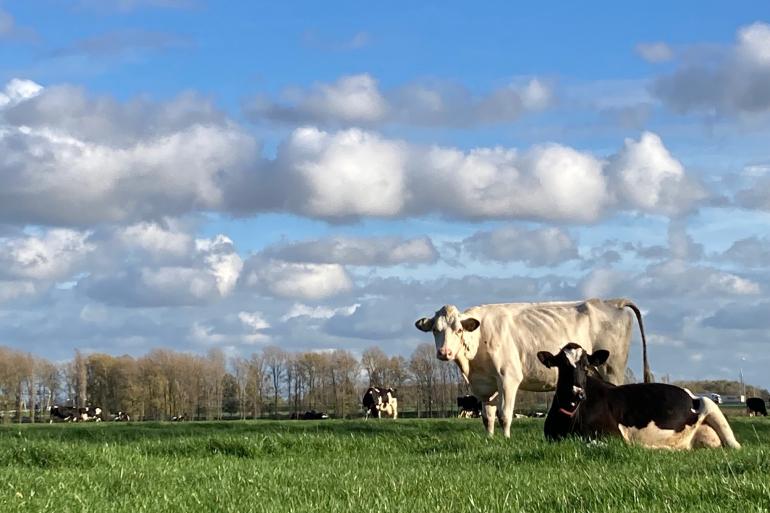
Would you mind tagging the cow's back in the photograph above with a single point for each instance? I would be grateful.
(515, 332)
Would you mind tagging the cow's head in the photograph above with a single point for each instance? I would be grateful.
(449, 328)
(573, 364)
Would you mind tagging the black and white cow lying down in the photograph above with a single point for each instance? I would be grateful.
(70, 414)
(379, 400)
(649, 414)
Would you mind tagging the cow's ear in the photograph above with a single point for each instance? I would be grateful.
(599, 357)
(546, 358)
(424, 324)
(470, 324)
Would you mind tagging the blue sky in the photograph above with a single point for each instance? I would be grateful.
(190, 174)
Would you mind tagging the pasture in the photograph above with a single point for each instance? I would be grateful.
(357, 466)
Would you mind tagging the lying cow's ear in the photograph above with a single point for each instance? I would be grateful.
(599, 357)
(546, 358)
(470, 324)
(424, 324)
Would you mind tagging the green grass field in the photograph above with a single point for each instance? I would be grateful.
(357, 466)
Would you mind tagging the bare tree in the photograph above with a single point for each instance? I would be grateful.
(275, 365)
(422, 365)
(375, 363)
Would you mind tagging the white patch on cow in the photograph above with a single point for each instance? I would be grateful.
(654, 437)
(576, 390)
(574, 354)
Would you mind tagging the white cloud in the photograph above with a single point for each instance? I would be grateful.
(655, 52)
(735, 81)
(317, 312)
(538, 247)
(156, 239)
(296, 280)
(749, 252)
(503, 183)
(357, 99)
(374, 251)
(650, 179)
(176, 271)
(52, 255)
(222, 261)
(14, 290)
(348, 173)
(253, 320)
(18, 90)
(66, 159)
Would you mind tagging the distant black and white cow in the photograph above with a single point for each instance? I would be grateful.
(122, 416)
(179, 418)
(315, 415)
(378, 400)
(755, 406)
(649, 414)
(89, 414)
(62, 413)
(469, 406)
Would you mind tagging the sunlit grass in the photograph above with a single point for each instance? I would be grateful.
(406, 465)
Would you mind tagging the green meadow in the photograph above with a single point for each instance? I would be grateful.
(362, 466)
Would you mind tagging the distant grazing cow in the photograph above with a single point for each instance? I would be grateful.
(377, 401)
(469, 406)
(122, 416)
(495, 345)
(179, 418)
(649, 414)
(62, 413)
(755, 406)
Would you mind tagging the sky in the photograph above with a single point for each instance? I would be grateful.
(195, 175)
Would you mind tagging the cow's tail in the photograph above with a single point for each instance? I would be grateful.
(715, 419)
(627, 303)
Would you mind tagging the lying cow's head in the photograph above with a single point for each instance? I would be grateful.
(448, 326)
(573, 363)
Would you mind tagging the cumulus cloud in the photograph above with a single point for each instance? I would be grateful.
(371, 251)
(348, 173)
(734, 81)
(317, 312)
(304, 281)
(208, 272)
(650, 179)
(351, 99)
(740, 316)
(538, 247)
(357, 99)
(655, 52)
(67, 159)
(749, 252)
(52, 255)
(669, 279)
(155, 240)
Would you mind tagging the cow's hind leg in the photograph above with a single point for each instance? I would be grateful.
(715, 419)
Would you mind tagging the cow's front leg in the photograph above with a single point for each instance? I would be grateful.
(488, 413)
(509, 388)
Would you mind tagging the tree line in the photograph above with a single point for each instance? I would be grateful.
(271, 383)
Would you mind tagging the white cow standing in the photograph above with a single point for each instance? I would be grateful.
(495, 346)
